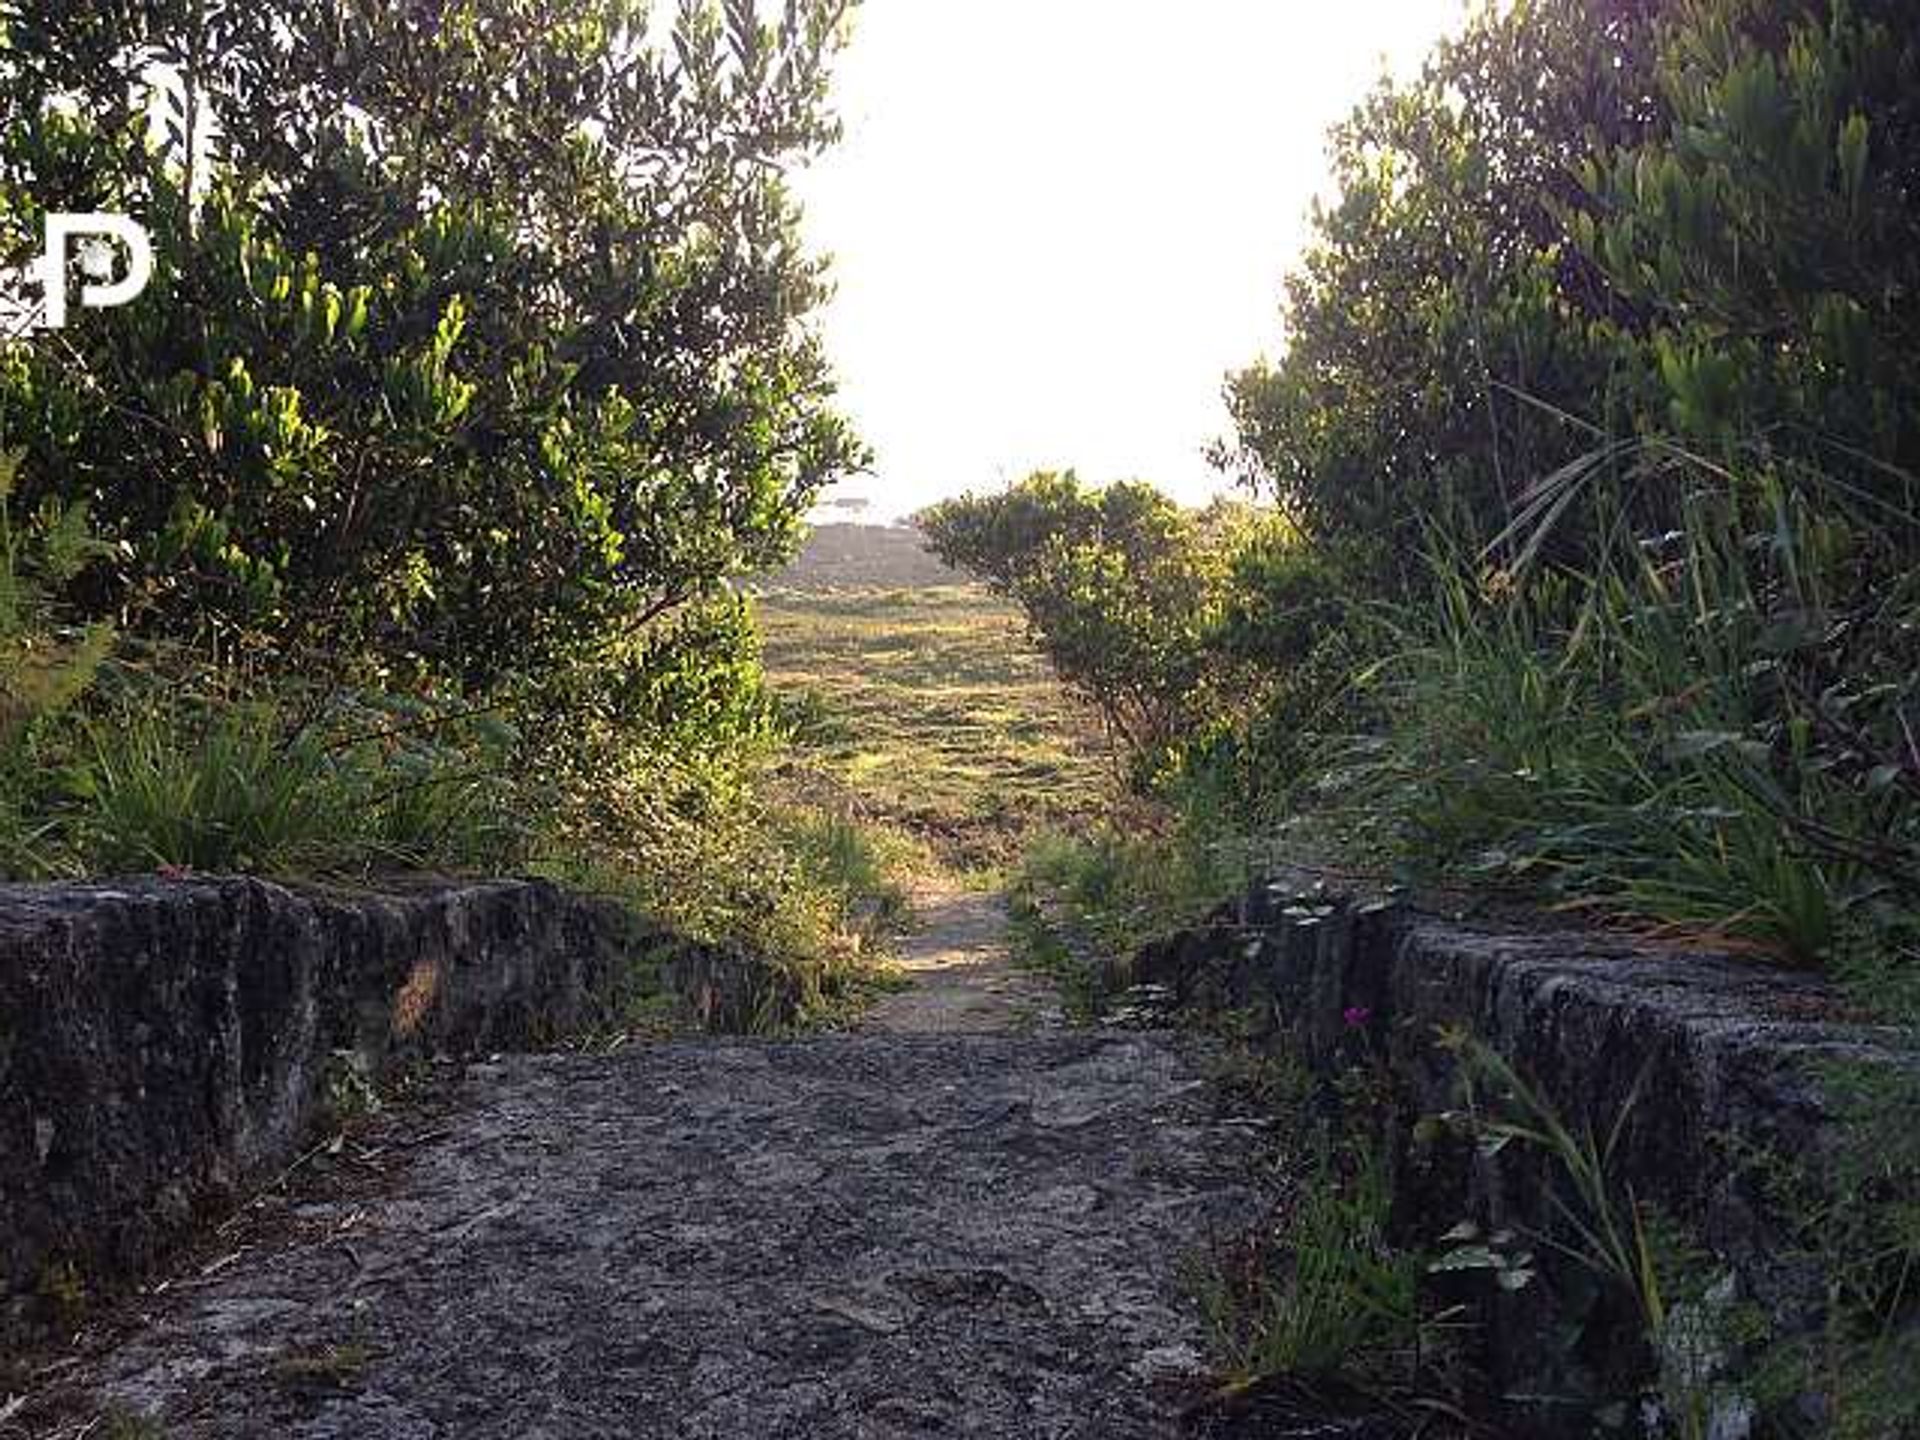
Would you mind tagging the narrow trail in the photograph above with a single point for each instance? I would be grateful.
(960, 1221)
(961, 973)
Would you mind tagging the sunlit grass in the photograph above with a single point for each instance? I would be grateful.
(929, 712)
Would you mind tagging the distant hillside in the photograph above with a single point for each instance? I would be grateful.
(839, 557)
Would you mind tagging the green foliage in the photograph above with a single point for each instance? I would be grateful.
(112, 763)
(814, 896)
(1607, 1229)
(45, 667)
(856, 864)
(1766, 232)
(1702, 730)
(118, 1423)
(237, 800)
(1041, 946)
(1438, 304)
(1856, 1223)
(1597, 408)
(1292, 634)
(474, 337)
(1120, 587)
(475, 366)
(1124, 883)
(1854, 1226)
(1332, 1292)
(1600, 1225)
(1176, 625)
(237, 787)
(1083, 902)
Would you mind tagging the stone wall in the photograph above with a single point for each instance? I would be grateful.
(164, 1043)
(1714, 1060)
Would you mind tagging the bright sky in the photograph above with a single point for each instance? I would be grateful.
(1057, 224)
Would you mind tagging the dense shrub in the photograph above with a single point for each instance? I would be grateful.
(1162, 618)
(1597, 498)
(1598, 402)
(474, 335)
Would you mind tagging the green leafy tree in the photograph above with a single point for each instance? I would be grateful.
(476, 343)
(1438, 329)
(1121, 587)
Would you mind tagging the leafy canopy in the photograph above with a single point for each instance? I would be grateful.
(477, 339)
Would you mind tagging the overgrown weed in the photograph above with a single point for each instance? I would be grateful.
(1330, 1291)
(1150, 869)
(1713, 742)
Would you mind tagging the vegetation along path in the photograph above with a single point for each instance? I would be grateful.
(866, 1234)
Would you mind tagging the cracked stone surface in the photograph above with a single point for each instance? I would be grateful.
(870, 1235)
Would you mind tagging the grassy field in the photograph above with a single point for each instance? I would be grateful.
(926, 711)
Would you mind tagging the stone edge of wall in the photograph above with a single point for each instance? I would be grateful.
(164, 1043)
(1728, 1053)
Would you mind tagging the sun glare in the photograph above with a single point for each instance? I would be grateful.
(1057, 225)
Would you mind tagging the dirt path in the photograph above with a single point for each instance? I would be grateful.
(962, 977)
(887, 1234)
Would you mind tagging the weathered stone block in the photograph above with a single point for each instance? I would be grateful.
(163, 1043)
(1712, 1059)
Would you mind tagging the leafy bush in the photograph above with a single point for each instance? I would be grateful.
(425, 382)
(1119, 586)
(1598, 410)
(809, 894)
(420, 469)
(1171, 622)
(859, 865)
(1439, 327)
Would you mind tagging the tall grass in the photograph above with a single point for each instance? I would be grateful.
(1148, 869)
(121, 756)
(1339, 1294)
(1711, 728)
(239, 786)
(235, 797)
(1597, 1222)
(817, 896)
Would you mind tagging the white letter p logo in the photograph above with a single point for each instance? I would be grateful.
(95, 261)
